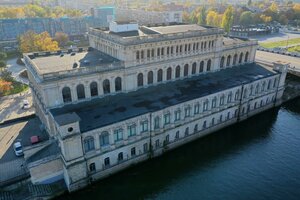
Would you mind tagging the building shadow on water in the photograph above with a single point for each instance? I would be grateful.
(154, 176)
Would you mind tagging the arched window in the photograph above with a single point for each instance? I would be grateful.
(177, 72)
(150, 77)
(66, 94)
(80, 92)
(120, 156)
(169, 73)
(94, 89)
(92, 167)
(104, 139)
(186, 70)
(245, 93)
(106, 86)
(222, 62)
(208, 65)
(118, 84)
(159, 75)
(241, 58)
(140, 80)
(228, 61)
(186, 133)
(88, 144)
(201, 66)
(234, 59)
(196, 128)
(194, 66)
(214, 102)
(246, 56)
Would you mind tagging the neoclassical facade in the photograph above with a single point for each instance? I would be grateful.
(140, 91)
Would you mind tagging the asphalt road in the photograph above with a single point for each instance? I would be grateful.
(276, 37)
(16, 69)
(19, 131)
(273, 57)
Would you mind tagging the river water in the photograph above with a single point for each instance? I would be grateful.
(255, 159)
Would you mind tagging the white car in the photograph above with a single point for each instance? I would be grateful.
(18, 149)
(26, 104)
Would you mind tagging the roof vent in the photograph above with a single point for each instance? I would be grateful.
(75, 65)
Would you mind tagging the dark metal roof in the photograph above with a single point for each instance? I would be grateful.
(67, 118)
(111, 109)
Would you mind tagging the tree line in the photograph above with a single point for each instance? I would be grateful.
(34, 10)
(226, 16)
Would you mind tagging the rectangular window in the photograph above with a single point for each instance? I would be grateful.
(177, 115)
(177, 135)
(167, 118)
(157, 143)
(144, 126)
(133, 153)
(131, 130)
(187, 111)
(118, 135)
(156, 123)
(196, 109)
(221, 101)
(167, 139)
(145, 147)
(205, 106)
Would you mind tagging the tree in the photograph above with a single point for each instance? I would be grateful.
(61, 38)
(6, 75)
(30, 42)
(249, 3)
(265, 18)
(246, 18)
(201, 16)
(211, 17)
(227, 18)
(4, 86)
(2, 65)
(3, 56)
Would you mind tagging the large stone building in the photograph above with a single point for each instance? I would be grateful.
(139, 91)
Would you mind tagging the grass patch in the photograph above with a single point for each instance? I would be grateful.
(294, 49)
(281, 43)
(16, 88)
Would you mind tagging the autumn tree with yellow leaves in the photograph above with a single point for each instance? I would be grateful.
(32, 42)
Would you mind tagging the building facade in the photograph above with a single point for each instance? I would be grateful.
(140, 91)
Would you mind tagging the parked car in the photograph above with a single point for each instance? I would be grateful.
(34, 139)
(25, 104)
(18, 149)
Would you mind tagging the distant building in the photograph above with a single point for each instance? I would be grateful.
(11, 29)
(102, 16)
(138, 92)
(148, 17)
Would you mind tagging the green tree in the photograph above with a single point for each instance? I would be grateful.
(227, 18)
(249, 3)
(2, 65)
(246, 18)
(3, 56)
(201, 16)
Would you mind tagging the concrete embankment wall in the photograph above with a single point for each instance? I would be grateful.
(292, 88)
